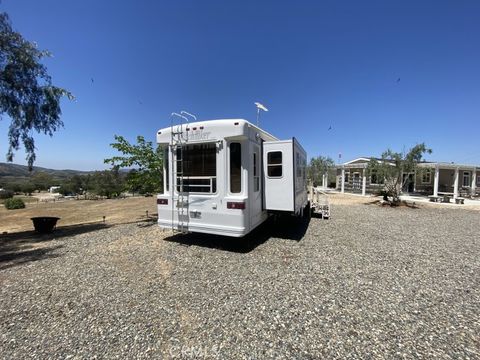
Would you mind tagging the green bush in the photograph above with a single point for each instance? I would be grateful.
(14, 203)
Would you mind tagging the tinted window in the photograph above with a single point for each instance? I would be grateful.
(197, 168)
(165, 162)
(256, 177)
(235, 168)
(274, 164)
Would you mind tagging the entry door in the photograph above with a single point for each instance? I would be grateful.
(408, 183)
(255, 191)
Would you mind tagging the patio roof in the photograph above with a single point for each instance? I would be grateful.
(448, 166)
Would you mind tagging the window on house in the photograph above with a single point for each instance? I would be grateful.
(197, 168)
(235, 168)
(274, 164)
(347, 176)
(478, 179)
(426, 176)
(466, 178)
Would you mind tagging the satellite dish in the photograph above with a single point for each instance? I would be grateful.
(260, 106)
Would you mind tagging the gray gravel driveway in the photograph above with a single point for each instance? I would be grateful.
(370, 282)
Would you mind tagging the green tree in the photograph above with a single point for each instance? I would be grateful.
(318, 167)
(393, 165)
(109, 183)
(42, 180)
(28, 188)
(27, 95)
(73, 185)
(144, 158)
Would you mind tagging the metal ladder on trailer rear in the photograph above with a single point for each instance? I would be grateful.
(320, 203)
(178, 141)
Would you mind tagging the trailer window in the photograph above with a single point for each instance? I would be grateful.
(256, 177)
(235, 168)
(274, 164)
(298, 166)
(165, 168)
(197, 168)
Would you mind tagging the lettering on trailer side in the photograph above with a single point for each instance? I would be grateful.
(199, 135)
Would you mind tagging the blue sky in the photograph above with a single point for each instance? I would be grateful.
(314, 64)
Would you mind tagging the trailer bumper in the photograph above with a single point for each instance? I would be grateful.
(203, 228)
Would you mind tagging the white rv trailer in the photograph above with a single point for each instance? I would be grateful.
(226, 177)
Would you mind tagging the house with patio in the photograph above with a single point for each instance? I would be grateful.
(353, 177)
(458, 180)
(431, 178)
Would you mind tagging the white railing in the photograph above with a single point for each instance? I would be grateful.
(197, 184)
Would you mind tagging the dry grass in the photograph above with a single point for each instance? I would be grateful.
(73, 212)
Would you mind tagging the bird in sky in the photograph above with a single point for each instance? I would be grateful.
(330, 128)
(91, 80)
(398, 80)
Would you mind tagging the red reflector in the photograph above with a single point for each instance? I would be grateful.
(235, 123)
(236, 205)
(194, 128)
(201, 127)
(162, 201)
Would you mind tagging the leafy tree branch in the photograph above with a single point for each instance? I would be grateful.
(27, 95)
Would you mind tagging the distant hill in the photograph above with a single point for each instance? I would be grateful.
(10, 173)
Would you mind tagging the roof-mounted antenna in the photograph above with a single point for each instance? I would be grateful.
(259, 107)
(179, 126)
(183, 112)
(178, 115)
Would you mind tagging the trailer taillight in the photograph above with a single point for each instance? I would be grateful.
(162, 201)
(236, 205)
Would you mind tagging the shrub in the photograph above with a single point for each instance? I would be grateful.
(14, 203)
(6, 194)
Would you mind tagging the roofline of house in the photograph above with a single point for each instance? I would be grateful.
(424, 164)
(452, 166)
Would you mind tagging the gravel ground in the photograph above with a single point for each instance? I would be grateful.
(370, 282)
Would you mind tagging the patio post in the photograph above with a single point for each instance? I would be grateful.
(455, 184)
(474, 181)
(435, 181)
(364, 182)
(343, 181)
(323, 181)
